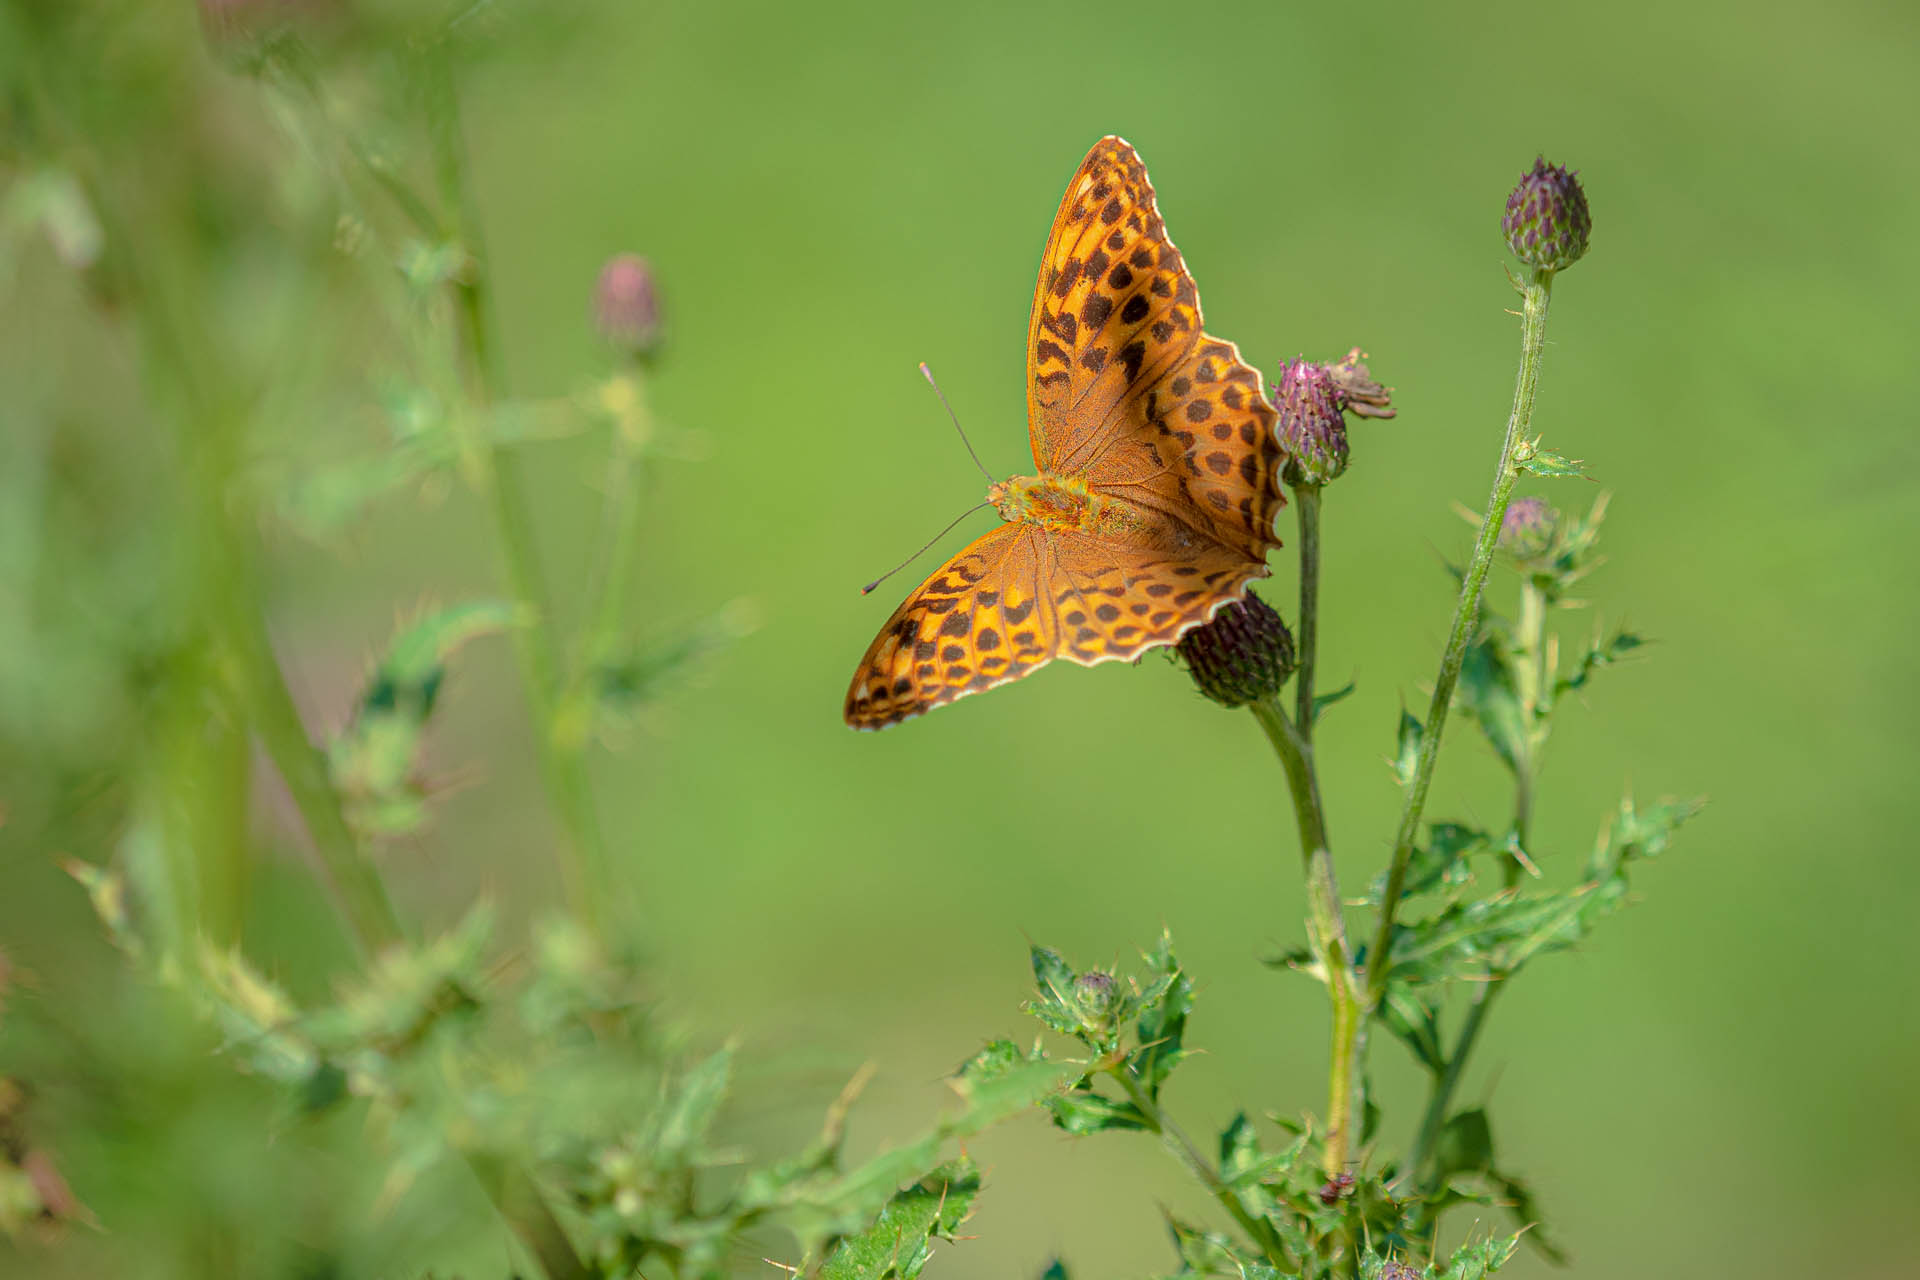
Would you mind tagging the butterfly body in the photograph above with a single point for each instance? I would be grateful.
(1158, 472)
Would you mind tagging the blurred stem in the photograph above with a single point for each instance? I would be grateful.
(1466, 617)
(1328, 929)
(358, 891)
(519, 1201)
(1258, 1230)
(612, 568)
(583, 860)
(1307, 499)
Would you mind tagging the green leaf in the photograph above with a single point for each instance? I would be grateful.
(1163, 1020)
(1322, 701)
(1203, 1253)
(898, 1244)
(637, 676)
(1406, 755)
(1633, 834)
(1415, 1022)
(1545, 462)
(1487, 690)
(1001, 1081)
(690, 1111)
(1602, 653)
(1056, 1270)
(1464, 1145)
(373, 760)
(1053, 980)
(1482, 1258)
(1081, 1111)
(1526, 1211)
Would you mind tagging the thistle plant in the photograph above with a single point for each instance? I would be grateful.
(1457, 912)
(530, 1088)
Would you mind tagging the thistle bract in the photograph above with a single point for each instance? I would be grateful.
(1244, 655)
(1546, 222)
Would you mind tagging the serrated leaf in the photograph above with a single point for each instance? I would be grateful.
(898, 1244)
(1486, 689)
(372, 762)
(1526, 1211)
(1080, 1111)
(1633, 834)
(1415, 1022)
(1406, 754)
(1441, 863)
(1481, 1258)
(1053, 980)
(1163, 1021)
(1000, 1081)
(1602, 653)
(1545, 462)
(1203, 1253)
(642, 674)
(1464, 1145)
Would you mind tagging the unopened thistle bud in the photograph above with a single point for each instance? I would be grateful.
(1546, 223)
(1401, 1271)
(1244, 655)
(1310, 428)
(626, 306)
(1526, 533)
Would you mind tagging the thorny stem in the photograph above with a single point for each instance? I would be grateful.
(1466, 616)
(1307, 498)
(1329, 931)
(583, 860)
(1177, 1142)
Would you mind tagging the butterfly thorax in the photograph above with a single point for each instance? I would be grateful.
(1058, 503)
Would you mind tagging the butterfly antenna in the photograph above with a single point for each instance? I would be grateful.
(928, 375)
(922, 551)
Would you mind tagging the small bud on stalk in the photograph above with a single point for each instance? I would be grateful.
(626, 306)
(1527, 531)
(1546, 223)
(1244, 655)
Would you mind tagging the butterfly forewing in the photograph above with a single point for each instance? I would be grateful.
(1123, 385)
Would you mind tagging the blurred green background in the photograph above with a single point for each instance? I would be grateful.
(1721, 1083)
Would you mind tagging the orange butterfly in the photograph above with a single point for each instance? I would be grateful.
(1158, 478)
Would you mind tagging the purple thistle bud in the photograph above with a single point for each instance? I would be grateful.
(1526, 533)
(1311, 429)
(1401, 1271)
(1244, 655)
(1546, 223)
(1093, 991)
(626, 306)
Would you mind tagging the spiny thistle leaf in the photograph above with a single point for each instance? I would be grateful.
(898, 1244)
(1487, 690)
(1406, 755)
(1601, 653)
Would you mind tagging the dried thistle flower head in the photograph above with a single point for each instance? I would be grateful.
(1360, 395)
(626, 305)
(1244, 655)
(1546, 223)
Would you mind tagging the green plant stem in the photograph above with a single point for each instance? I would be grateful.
(1307, 501)
(612, 569)
(1466, 617)
(1258, 1230)
(1530, 674)
(582, 851)
(525, 1209)
(1329, 934)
